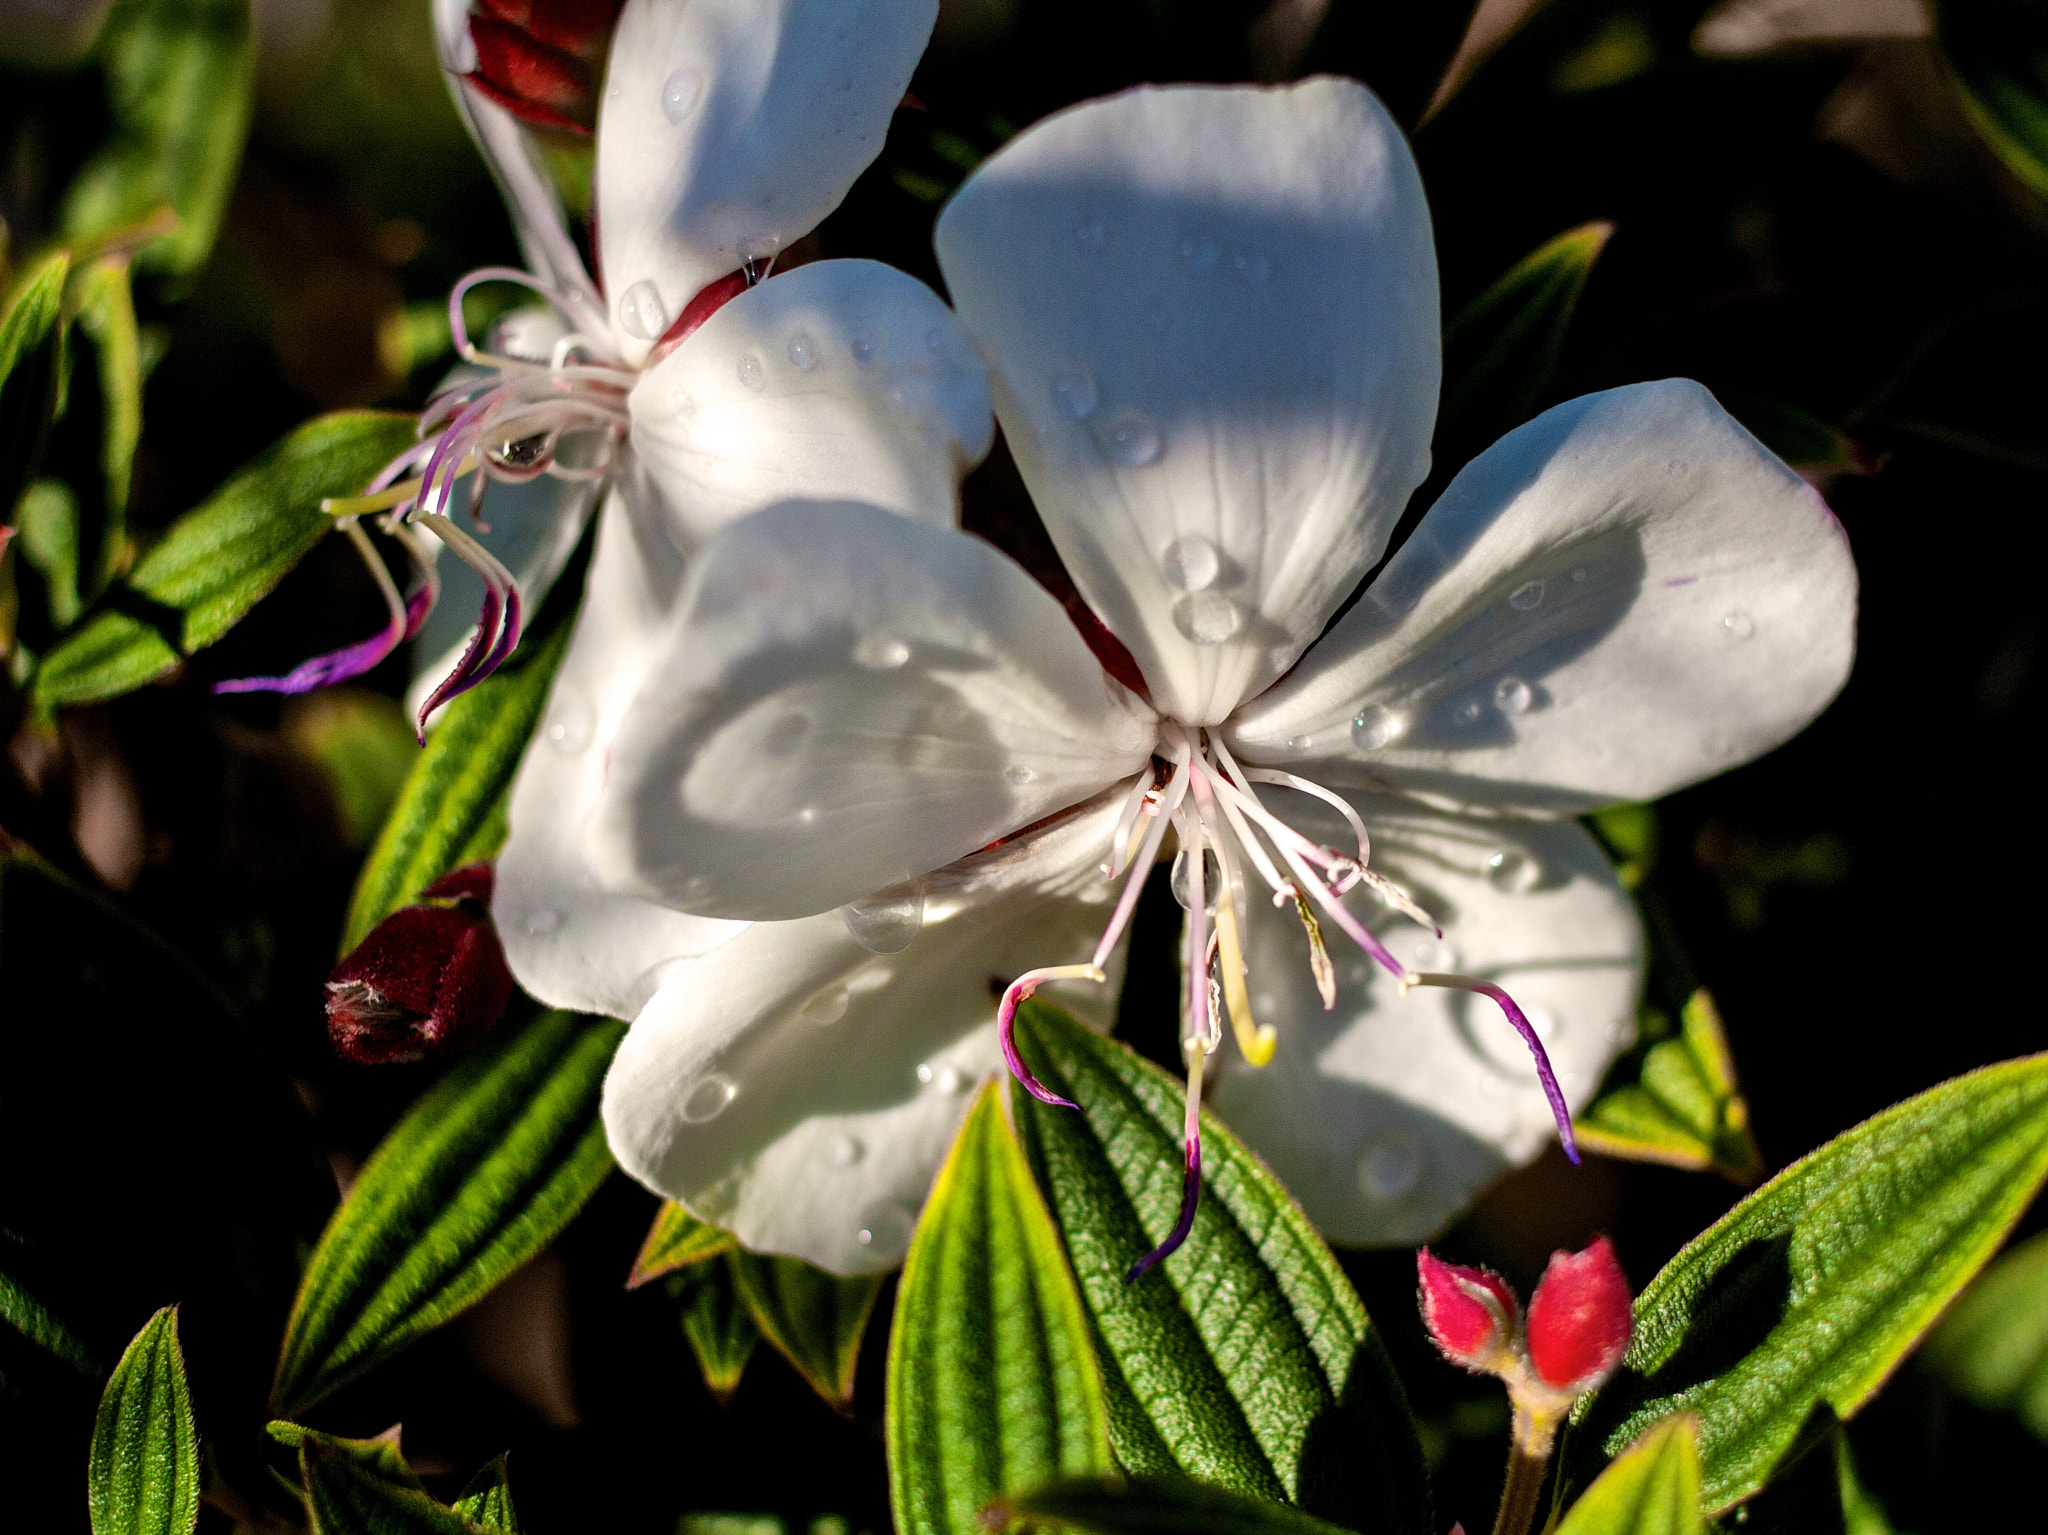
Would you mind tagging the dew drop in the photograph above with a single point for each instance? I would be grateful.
(1018, 775)
(1133, 441)
(1074, 392)
(1511, 695)
(1253, 270)
(863, 349)
(925, 1072)
(543, 921)
(1090, 234)
(1212, 879)
(885, 924)
(1300, 743)
(679, 93)
(947, 1079)
(1375, 727)
(1579, 576)
(846, 1151)
(641, 312)
(786, 735)
(826, 1005)
(1207, 618)
(1738, 625)
(752, 374)
(880, 652)
(707, 1100)
(1191, 564)
(803, 352)
(1526, 596)
(1467, 713)
(681, 405)
(887, 1230)
(570, 725)
(1390, 1169)
(1199, 253)
(1435, 954)
(1512, 870)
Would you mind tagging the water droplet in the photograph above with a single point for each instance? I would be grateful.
(543, 921)
(1300, 743)
(846, 1151)
(570, 725)
(1074, 392)
(863, 349)
(1738, 625)
(1133, 441)
(1199, 253)
(681, 405)
(1511, 695)
(925, 1072)
(641, 312)
(1376, 727)
(885, 924)
(1390, 1169)
(1212, 879)
(803, 352)
(1207, 618)
(1191, 564)
(880, 652)
(786, 735)
(1526, 596)
(1090, 234)
(1435, 954)
(679, 93)
(1579, 576)
(1253, 270)
(707, 1100)
(807, 816)
(1513, 871)
(826, 1005)
(1018, 774)
(751, 372)
(886, 1230)
(1467, 713)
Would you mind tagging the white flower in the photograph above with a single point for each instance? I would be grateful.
(1210, 317)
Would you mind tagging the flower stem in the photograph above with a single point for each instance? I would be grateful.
(1528, 1460)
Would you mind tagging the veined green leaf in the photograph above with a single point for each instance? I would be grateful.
(1684, 1109)
(180, 75)
(477, 1178)
(1993, 1347)
(1245, 1360)
(1651, 1488)
(451, 811)
(1998, 58)
(992, 1378)
(347, 1494)
(814, 1319)
(145, 1446)
(24, 1313)
(487, 1501)
(1151, 1505)
(676, 1240)
(1803, 1298)
(31, 359)
(381, 1453)
(715, 1321)
(217, 560)
(106, 314)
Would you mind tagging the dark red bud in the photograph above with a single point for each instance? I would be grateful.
(1579, 1318)
(711, 298)
(569, 24)
(429, 980)
(533, 80)
(1466, 1310)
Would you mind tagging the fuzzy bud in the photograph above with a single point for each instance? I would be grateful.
(1470, 1313)
(1579, 1319)
(428, 980)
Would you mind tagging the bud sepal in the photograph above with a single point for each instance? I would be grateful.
(430, 979)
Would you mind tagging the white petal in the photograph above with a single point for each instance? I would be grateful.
(848, 700)
(801, 1091)
(1624, 596)
(1386, 1116)
(840, 380)
(569, 942)
(730, 128)
(1211, 316)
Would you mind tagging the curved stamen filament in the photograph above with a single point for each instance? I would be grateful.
(1520, 1022)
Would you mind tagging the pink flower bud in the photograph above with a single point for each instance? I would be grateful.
(1469, 1312)
(430, 978)
(1579, 1319)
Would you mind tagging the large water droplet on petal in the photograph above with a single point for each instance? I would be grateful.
(863, 349)
(708, 1098)
(1375, 727)
(1207, 618)
(880, 652)
(826, 1005)
(1074, 392)
(1019, 775)
(1389, 1169)
(1212, 880)
(1511, 695)
(642, 314)
(847, 1150)
(886, 1230)
(1435, 954)
(1526, 596)
(1191, 564)
(803, 352)
(885, 924)
(752, 374)
(1512, 870)
(679, 93)
(1738, 625)
(1133, 441)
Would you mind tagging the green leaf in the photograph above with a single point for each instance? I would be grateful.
(1800, 1301)
(145, 1447)
(1150, 1505)
(451, 811)
(1501, 350)
(1651, 1488)
(487, 1501)
(1997, 54)
(1684, 1109)
(25, 1316)
(46, 534)
(721, 1333)
(477, 1178)
(380, 1454)
(364, 745)
(346, 1494)
(217, 560)
(676, 1240)
(31, 361)
(1800, 438)
(992, 1378)
(106, 314)
(1246, 1359)
(1993, 1347)
(179, 79)
(814, 1319)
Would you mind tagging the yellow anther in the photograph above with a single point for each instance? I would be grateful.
(1254, 1042)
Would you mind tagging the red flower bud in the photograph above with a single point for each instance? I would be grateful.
(1579, 1319)
(1470, 1313)
(430, 978)
(541, 59)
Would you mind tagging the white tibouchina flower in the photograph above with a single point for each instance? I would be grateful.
(1210, 317)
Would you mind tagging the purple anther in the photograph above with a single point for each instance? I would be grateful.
(1190, 1196)
(1006, 1020)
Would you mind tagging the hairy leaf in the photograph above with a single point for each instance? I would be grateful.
(676, 1240)
(145, 1446)
(814, 1319)
(487, 1501)
(477, 1178)
(1245, 1360)
(715, 1321)
(1651, 1488)
(1150, 1505)
(1993, 1347)
(992, 1377)
(1684, 1108)
(348, 1495)
(31, 362)
(106, 314)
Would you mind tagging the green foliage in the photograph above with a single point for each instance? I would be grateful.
(451, 811)
(217, 560)
(1246, 1360)
(179, 79)
(487, 1501)
(1684, 1109)
(814, 1319)
(145, 1446)
(106, 314)
(46, 536)
(1804, 1298)
(1651, 1488)
(31, 1332)
(1998, 56)
(31, 365)
(364, 745)
(992, 1379)
(715, 1321)
(348, 1493)
(1150, 1505)
(477, 1178)
(676, 1240)
(1993, 1347)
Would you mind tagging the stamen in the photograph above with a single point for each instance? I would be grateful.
(405, 617)
(1169, 802)
(1520, 1022)
(1006, 1023)
(1121, 844)
(1191, 1178)
(1342, 805)
(384, 500)
(1254, 1042)
(1318, 954)
(498, 626)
